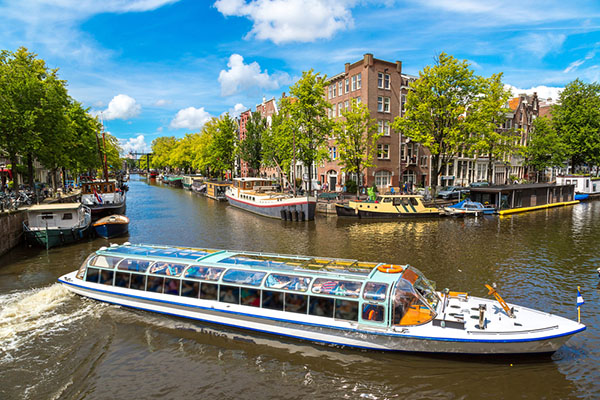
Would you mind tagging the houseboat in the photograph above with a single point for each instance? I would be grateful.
(103, 198)
(187, 181)
(342, 302)
(50, 225)
(259, 195)
(509, 199)
(198, 185)
(216, 190)
(175, 181)
(586, 186)
(388, 206)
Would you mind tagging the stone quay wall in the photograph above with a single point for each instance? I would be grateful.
(11, 229)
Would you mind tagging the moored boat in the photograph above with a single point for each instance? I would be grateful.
(153, 174)
(586, 186)
(50, 225)
(112, 226)
(330, 301)
(259, 195)
(103, 198)
(198, 185)
(389, 206)
(175, 181)
(468, 208)
(216, 190)
(187, 181)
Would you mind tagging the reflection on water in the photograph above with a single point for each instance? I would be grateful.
(81, 348)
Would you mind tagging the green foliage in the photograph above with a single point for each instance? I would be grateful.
(306, 115)
(577, 122)
(277, 141)
(545, 148)
(356, 138)
(161, 151)
(250, 149)
(351, 186)
(222, 146)
(436, 108)
(181, 153)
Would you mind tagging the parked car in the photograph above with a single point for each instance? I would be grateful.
(479, 184)
(451, 192)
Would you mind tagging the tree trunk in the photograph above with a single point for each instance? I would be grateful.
(435, 164)
(30, 169)
(13, 169)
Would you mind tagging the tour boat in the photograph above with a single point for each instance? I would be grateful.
(112, 226)
(341, 302)
(388, 206)
(103, 198)
(258, 195)
(50, 225)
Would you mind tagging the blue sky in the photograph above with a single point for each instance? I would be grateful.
(163, 67)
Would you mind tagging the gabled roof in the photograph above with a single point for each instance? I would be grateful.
(513, 103)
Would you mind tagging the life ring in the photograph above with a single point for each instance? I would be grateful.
(390, 268)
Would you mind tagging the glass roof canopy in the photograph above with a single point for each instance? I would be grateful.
(256, 260)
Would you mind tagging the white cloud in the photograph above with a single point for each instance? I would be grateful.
(240, 77)
(122, 107)
(283, 21)
(541, 44)
(543, 92)
(190, 118)
(237, 110)
(162, 102)
(577, 63)
(134, 145)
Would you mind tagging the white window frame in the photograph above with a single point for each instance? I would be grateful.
(341, 87)
(380, 80)
(358, 81)
(329, 92)
(353, 83)
(386, 81)
(347, 84)
(386, 104)
(383, 151)
(380, 176)
(334, 90)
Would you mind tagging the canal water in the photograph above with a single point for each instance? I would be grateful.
(55, 345)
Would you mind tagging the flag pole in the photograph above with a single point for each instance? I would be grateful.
(578, 309)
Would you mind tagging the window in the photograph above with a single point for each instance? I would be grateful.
(206, 273)
(333, 111)
(155, 284)
(346, 105)
(106, 261)
(354, 83)
(47, 215)
(383, 151)
(346, 309)
(383, 178)
(134, 265)
(383, 104)
(375, 291)
(423, 161)
(190, 289)
(358, 100)
(122, 279)
(340, 109)
(295, 302)
(272, 300)
(334, 89)
(336, 287)
(251, 297)
(138, 282)
(386, 81)
(67, 216)
(229, 294)
(341, 87)
(251, 278)
(358, 84)
(321, 306)
(383, 81)
(372, 312)
(333, 153)
(380, 80)
(329, 113)
(106, 277)
(384, 127)
(92, 275)
(329, 91)
(402, 103)
(163, 268)
(347, 82)
(208, 291)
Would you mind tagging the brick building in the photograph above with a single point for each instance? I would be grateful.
(382, 86)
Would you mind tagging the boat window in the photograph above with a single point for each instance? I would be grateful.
(414, 201)
(106, 277)
(172, 286)
(409, 308)
(229, 294)
(272, 300)
(67, 216)
(106, 261)
(164, 268)
(138, 282)
(373, 312)
(387, 200)
(208, 291)
(129, 264)
(336, 287)
(155, 284)
(190, 289)
(423, 286)
(251, 278)
(122, 279)
(92, 275)
(84, 265)
(321, 306)
(397, 201)
(251, 297)
(346, 309)
(47, 215)
(295, 302)
(206, 273)
(375, 291)
(290, 282)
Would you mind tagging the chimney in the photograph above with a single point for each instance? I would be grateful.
(347, 68)
(399, 67)
(368, 60)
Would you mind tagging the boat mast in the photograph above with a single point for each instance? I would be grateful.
(104, 166)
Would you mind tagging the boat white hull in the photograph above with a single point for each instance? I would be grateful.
(424, 338)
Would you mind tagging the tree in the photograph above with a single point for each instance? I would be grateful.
(222, 146)
(436, 110)
(307, 114)
(356, 138)
(250, 149)
(161, 149)
(577, 122)
(201, 146)
(181, 154)
(545, 149)
(277, 142)
(83, 146)
(488, 114)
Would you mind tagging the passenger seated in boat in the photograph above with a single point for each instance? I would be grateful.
(402, 302)
(228, 297)
(372, 313)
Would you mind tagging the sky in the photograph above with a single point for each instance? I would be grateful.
(155, 68)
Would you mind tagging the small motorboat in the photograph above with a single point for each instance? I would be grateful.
(112, 226)
(468, 207)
